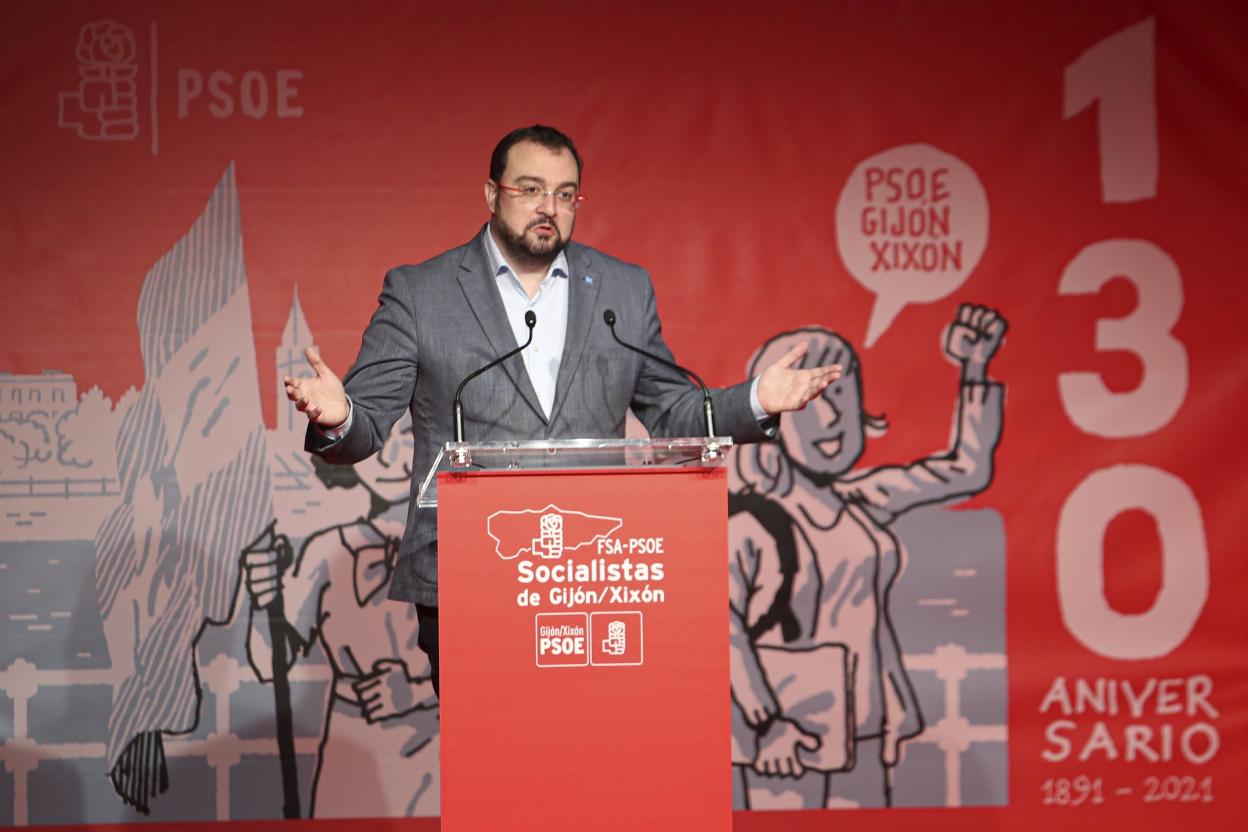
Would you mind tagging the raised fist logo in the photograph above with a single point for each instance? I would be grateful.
(550, 543)
(105, 106)
(616, 641)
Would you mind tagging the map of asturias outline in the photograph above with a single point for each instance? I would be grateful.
(518, 532)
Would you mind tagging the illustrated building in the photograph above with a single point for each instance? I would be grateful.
(51, 392)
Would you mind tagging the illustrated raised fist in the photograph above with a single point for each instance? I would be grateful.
(974, 338)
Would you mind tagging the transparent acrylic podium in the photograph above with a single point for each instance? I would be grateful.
(583, 633)
(571, 454)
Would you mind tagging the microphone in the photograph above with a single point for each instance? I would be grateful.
(708, 408)
(530, 320)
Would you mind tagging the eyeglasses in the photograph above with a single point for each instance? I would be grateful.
(531, 195)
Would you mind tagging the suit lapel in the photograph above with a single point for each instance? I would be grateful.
(583, 287)
(481, 291)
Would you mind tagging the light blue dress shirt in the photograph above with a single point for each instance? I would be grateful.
(550, 304)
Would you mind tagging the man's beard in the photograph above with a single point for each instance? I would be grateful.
(520, 248)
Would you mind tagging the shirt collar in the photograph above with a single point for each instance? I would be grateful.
(499, 266)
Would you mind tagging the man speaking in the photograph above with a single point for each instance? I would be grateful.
(438, 321)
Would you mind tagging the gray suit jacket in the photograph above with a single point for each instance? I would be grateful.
(438, 321)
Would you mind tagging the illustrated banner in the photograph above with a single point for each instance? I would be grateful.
(992, 576)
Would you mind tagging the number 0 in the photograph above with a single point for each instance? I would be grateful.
(1081, 560)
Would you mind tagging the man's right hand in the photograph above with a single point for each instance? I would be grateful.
(321, 396)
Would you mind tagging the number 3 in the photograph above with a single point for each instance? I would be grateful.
(1092, 406)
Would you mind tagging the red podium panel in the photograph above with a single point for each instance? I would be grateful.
(584, 650)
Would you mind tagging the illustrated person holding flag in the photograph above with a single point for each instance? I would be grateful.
(441, 320)
(379, 749)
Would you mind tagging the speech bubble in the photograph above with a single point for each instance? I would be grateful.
(911, 225)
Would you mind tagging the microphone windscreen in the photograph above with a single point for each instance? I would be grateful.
(609, 317)
(530, 319)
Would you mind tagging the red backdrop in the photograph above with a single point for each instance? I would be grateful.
(718, 139)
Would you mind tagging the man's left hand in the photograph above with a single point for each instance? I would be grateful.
(785, 386)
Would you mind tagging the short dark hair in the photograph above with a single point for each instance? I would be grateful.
(547, 137)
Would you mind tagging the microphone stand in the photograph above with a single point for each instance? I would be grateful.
(708, 408)
(457, 413)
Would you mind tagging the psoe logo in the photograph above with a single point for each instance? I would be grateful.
(616, 641)
(105, 104)
(547, 532)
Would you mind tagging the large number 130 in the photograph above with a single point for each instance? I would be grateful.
(1119, 74)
